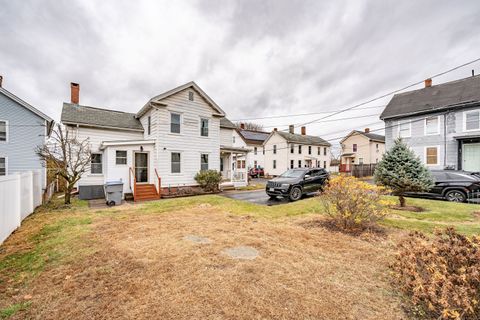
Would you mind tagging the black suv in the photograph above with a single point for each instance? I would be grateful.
(295, 183)
(454, 186)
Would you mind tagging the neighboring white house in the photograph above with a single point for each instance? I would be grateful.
(440, 123)
(22, 128)
(173, 136)
(361, 147)
(287, 150)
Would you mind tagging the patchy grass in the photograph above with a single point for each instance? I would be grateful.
(14, 308)
(253, 186)
(131, 261)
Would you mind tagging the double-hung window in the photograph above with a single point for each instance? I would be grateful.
(292, 148)
(325, 151)
(274, 164)
(299, 149)
(354, 147)
(292, 164)
(318, 151)
(120, 157)
(255, 150)
(204, 162)
(175, 120)
(471, 122)
(309, 149)
(204, 127)
(3, 131)
(404, 129)
(431, 155)
(3, 166)
(149, 125)
(274, 149)
(432, 126)
(175, 162)
(96, 163)
(299, 163)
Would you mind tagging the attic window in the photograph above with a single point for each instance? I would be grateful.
(190, 95)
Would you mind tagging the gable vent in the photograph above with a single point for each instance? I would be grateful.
(190, 95)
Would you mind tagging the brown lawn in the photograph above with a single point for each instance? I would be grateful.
(134, 264)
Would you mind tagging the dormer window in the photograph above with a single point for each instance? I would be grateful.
(190, 95)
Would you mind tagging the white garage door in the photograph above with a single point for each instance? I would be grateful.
(471, 157)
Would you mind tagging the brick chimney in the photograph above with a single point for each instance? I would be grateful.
(275, 129)
(291, 129)
(304, 131)
(428, 83)
(74, 93)
(1, 80)
(367, 130)
(242, 126)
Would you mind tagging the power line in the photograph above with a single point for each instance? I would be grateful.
(300, 114)
(331, 120)
(391, 92)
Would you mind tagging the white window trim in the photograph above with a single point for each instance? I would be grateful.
(425, 155)
(409, 128)
(464, 121)
(425, 126)
(170, 123)
(103, 169)
(126, 158)
(7, 129)
(6, 165)
(200, 126)
(181, 163)
(201, 153)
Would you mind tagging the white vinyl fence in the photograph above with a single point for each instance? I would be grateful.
(20, 194)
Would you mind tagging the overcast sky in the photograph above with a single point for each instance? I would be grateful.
(254, 58)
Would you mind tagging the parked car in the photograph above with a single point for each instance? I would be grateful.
(256, 172)
(455, 186)
(295, 183)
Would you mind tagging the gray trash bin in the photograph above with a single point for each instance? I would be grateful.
(113, 192)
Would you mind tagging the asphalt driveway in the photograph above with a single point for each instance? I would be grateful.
(257, 196)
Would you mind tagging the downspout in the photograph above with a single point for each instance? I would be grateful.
(444, 140)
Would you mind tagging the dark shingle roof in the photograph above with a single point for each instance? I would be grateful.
(298, 138)
(372, 136)
(254, 136)
(225, 123)
(78, 114)
(446, 95)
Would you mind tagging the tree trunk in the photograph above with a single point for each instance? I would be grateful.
(67, 196)
(402, 200)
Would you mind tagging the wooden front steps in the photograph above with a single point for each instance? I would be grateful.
(146, 192)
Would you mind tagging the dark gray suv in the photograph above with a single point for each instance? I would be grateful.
(295, 183)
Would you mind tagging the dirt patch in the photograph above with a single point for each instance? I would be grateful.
(242, 252)
(408, 208)
(197, 239)
(142, 268)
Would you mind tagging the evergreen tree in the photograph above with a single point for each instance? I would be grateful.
(402, 171)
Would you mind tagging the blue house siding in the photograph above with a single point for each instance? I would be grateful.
(25, 131)
(447, 140)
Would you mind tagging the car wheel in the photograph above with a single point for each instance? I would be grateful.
(455, 196)
(272, 197)
(295, 194)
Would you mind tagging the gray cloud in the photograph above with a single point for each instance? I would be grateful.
(255, 58)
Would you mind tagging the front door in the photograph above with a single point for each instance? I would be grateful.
(471, 157)
(141, 167)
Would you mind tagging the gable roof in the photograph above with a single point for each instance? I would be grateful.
(453, 94)
(191, 84)
(28, 106)
(254, 137)
(371, 136)
(225, 123)
(97, 117)
(301, 139)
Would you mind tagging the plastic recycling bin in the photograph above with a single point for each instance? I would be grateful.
(113, 192)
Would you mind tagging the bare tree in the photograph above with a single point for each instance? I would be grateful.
(250, 126)
(68, 156)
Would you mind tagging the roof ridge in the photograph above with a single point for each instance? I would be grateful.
(438, 85)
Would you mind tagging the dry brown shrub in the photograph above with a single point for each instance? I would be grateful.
(441, 275)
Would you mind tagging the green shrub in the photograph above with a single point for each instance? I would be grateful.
(209, 179)
(352, 204)
(440, 274)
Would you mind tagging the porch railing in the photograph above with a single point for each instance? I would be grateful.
(159, 184)
(133, 187)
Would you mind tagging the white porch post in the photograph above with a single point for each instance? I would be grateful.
(232, 167)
